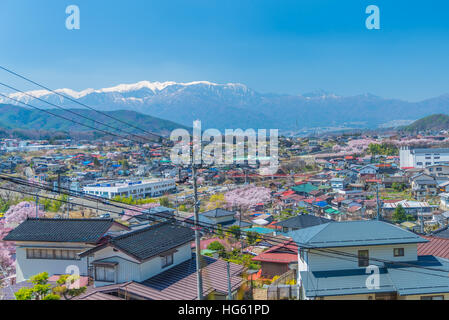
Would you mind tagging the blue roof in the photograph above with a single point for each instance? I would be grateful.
(321, 204)
(410, 280)
(353, 233)
(405, 279)
(343, 282)
(259, 230)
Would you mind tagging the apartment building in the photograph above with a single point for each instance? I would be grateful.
(136, 189)
(421, 158)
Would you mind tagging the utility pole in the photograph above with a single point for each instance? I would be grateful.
(240, 230)
(37, 205)
(68, 205)
(228, 269)
(199, 279)
(377, 201)
(421, 218)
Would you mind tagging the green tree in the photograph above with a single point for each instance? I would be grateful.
(40, 291)
(399, 214)
(164, 202)
(217, 246)
(64, 289)
(96, 162)
(252, 237)
(234, 231)
(219, 231)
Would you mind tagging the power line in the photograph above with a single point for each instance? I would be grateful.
(75, 101)
(275, 240)
(70, 120)
(73, 112)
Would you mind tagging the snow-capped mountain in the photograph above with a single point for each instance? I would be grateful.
(234, 105)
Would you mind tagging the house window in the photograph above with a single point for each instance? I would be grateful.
(104, 274)
(363, 258)
(432, 298)
(167, 260)
(398, 252)
(52, 254)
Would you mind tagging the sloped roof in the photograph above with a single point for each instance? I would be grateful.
(302, 221)
(442, 233)
(179, 282)
(405, 279)
(343, 282)
(427, 281)
(282, 253)
(61, 230)
(153, 240)
(353, 233)
(438, 247)
(218, 212)
(306, 187)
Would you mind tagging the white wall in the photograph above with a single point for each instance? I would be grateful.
(405, 158)
(129, 269)
(318, 262)
(26, 268)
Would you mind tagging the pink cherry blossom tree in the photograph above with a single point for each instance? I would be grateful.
(14, 216)
(20, 212)
(247, 196)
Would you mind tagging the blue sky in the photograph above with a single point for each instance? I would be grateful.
(278, 46)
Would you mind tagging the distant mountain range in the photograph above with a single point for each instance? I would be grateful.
(435, 122)
(236, 106)
(14, 117)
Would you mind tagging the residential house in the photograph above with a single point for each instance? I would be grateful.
(368, 170)
(339, 183)
(52, 245)
(367, 260)
(414, 208)
(277, 260)
(437, 170)
(424, 186)
(300, 221)
(213, 218)
(444, 201)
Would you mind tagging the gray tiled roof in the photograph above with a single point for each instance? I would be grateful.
(179, 282)
(60, 230)
(218, 213)
(302, 221)
(153, 240)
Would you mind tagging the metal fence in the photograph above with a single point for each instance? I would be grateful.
(280, 290)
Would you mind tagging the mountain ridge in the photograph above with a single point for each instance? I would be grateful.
(15, 117)
(234, 105)
(434, 122)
